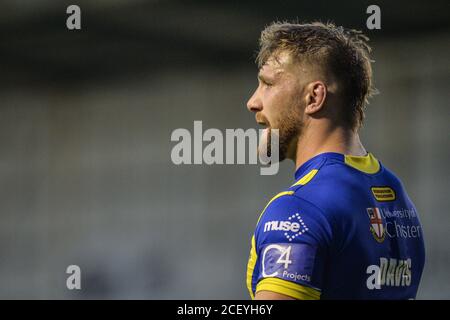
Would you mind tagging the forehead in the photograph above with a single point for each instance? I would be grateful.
(277, 64)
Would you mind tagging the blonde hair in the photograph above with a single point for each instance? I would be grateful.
(343, 52)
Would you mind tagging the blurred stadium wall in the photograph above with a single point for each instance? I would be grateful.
(85, 122)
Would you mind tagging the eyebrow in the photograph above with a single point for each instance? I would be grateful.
(261, 77)
(265, 78)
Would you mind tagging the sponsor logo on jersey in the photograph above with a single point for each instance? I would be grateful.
(390, 273)
(383, 193)
(403, 213)
(293, 227)
(398, 223)
(398, 230)
(292, 262)
(376, 224)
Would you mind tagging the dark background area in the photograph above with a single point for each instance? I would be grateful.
(127, 38)
(85, 122)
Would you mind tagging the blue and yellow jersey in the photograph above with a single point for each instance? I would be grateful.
(346, 229)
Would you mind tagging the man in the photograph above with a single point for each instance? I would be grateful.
(346, 229)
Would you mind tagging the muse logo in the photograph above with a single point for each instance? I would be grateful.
(293, 227)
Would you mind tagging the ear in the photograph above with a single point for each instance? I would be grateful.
(315, 97)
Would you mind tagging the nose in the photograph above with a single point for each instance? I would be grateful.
(254, 104)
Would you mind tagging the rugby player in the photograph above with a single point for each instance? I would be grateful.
(346, 228)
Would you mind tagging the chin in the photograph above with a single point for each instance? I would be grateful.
(265, 150)
(265, 147)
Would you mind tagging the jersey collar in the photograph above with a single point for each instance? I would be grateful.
(367, 164)
(316, 161)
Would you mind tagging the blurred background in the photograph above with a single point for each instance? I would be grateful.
(86, 117)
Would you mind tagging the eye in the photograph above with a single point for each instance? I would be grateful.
(264, 82)
(267, 84)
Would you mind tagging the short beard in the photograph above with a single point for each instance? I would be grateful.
(289, 129)
(289, 132)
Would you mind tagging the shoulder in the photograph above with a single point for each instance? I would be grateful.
(330, 175)
(305, 208)
(331, 187)
(289, 218)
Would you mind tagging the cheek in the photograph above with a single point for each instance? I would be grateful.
(279, 102)
(282, 103)
(276, 99)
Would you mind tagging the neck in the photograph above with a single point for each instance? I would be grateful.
(329, 139)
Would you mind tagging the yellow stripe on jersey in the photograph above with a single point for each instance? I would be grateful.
(253, 255)
(284, 193)
(306, 178)
(368, 163)
(288, 288)
(251, 266)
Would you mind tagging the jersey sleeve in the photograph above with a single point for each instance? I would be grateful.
(292, 240)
